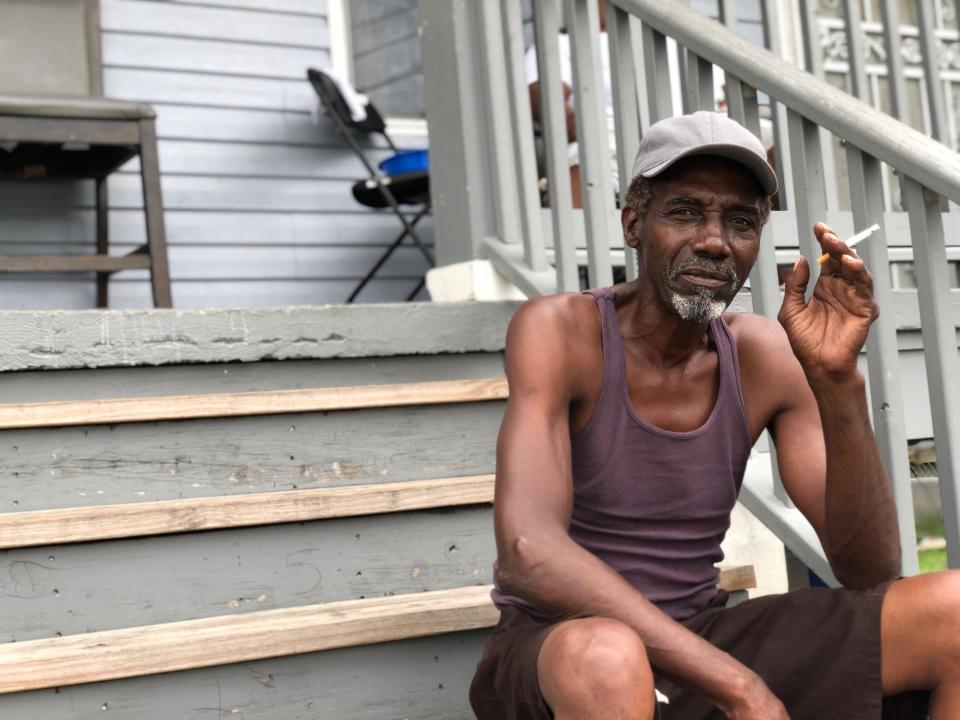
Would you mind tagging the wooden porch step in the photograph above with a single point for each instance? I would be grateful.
(106, 522)
(185, 645)
(187, 407)
(189, 644)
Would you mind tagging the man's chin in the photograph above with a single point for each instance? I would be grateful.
(700, 308)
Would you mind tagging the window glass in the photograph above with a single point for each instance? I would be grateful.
(385, 48)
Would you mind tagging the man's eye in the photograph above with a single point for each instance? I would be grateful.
(684, 212)
(743, 223)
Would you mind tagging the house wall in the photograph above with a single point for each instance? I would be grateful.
(256, 189)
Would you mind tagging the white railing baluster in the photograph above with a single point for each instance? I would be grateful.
(704, 72)
(852, 14)
(809, 186)
(890, 11)
(939, 348)
(810, 30)
(503, 154)
(640, 78)
(764, 281)
(931, 72)
(810, 27)
(866, 199)
(655, 69)
(553, 123)
(626, 108)
(525, 162)
(728, 13)
(593, 137)
(778, 113)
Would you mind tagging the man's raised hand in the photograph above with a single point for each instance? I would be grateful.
(827, 332)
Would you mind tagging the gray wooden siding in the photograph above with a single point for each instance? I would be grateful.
(256, 189)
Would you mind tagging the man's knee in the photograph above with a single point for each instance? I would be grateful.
(944, 609)
(596, 658)
(922, 632)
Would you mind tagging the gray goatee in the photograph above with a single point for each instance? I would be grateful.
(702, 306)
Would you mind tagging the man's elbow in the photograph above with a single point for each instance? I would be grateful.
(520, 562)
(862, 575)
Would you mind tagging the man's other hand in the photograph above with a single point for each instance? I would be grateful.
(755, 702)
(827, 333)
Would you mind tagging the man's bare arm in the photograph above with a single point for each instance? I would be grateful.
(534, 497)
(828, 454)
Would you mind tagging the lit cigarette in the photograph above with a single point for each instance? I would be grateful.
(855, 240)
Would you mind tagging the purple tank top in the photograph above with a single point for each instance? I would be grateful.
(651, 503)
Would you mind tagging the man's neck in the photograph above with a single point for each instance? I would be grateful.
(656, 331)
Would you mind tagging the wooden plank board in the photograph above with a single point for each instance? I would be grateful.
(220, 262)
(190, 379)
(62, 467)
(222, 640)
(153, 649)
(46, 592)
(185, 407)
(740, 577)
(68, 525)
(73, 262)
(417, 678)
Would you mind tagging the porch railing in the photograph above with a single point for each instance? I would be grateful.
(651, 42)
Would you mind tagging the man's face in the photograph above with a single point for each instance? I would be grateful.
(700, 235)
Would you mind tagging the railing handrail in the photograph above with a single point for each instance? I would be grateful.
(933, 164)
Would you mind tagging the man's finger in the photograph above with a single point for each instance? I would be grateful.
(794, 289)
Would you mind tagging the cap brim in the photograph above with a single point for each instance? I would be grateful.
(760, 169)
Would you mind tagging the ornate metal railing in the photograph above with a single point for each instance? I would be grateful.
(663, 57)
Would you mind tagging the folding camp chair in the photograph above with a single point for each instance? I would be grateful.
(380, 190)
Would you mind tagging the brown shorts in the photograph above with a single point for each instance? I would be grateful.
(817, 649)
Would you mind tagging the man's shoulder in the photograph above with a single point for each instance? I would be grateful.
(559, 315)
(762, 346)
(754, 332)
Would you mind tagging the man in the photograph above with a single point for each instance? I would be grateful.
(631, 415)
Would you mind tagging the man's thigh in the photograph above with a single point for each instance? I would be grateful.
(817, 649)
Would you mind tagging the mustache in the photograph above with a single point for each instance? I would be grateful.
(707, 265)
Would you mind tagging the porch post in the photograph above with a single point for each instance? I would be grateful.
(459, 165)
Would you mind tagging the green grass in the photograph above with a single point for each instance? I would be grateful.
(932, 560)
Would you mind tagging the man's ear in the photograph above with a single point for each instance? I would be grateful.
(632, 223)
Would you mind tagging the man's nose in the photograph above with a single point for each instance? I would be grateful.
(710, 239)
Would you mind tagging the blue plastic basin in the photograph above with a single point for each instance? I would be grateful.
(405, 162)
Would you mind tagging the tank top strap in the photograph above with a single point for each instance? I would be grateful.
(612, 343)
(729, 367)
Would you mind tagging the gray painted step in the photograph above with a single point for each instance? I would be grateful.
(422, 679)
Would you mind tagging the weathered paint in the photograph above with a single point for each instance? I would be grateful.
(87, 587)
(423, 679)
(104, 464)
(75, 339)
(100, 383)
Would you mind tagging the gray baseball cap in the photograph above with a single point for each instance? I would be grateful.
(702, 133)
